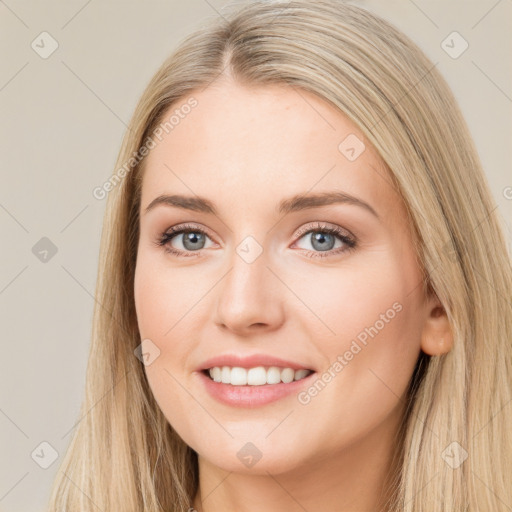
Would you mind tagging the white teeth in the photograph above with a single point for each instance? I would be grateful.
(225, 377)
(238, 376)
(273, 375)
(215, 374)
(287, 375)
(300, 374)
(257, 376)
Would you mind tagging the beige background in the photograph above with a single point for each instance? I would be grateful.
(63, 118)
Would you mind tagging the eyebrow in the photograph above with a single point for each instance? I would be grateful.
(295, 203)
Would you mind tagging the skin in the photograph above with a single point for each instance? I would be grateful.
(246, 149)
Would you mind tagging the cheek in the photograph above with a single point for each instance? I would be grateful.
(162, 296)
(369, 333)
(160, 304)
(344, 302)
(158, 308)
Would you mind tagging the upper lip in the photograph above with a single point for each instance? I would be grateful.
(250, 361)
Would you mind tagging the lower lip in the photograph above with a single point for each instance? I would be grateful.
(252, 396)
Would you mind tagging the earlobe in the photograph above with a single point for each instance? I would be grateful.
(437, 336)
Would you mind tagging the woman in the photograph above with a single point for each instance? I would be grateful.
(303, 300)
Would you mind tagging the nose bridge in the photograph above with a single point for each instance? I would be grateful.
(248, 265)
(249, 294)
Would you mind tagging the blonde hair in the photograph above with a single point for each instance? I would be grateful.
(125, 456)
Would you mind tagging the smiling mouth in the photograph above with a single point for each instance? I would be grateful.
(257, 376)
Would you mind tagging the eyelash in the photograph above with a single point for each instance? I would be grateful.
(350, 243)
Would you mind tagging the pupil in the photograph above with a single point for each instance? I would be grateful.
(191, 239)
(322, 239)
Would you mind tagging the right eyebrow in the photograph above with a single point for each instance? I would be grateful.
(193, 203)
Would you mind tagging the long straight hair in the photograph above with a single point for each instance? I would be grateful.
(125, 456)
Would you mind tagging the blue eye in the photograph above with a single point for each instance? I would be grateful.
(193, 240)
(321, 236)
(323, 240)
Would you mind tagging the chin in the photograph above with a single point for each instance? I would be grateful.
(274, 463)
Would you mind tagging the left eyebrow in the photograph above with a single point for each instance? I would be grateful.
(305, 201)
(295, 203)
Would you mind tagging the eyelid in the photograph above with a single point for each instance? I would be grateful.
(320, 225)
(164, 239)
(312, 226)
(350, 242)
(346, 236)
(189, 227)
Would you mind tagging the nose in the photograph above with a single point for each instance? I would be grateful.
(249, 299)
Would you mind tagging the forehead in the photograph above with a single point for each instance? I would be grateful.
(245, 144)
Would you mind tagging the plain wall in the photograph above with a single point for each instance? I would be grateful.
(63, 118)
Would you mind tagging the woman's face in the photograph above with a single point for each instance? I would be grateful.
(258, 282)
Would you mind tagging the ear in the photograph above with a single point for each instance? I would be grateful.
(437, 335)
